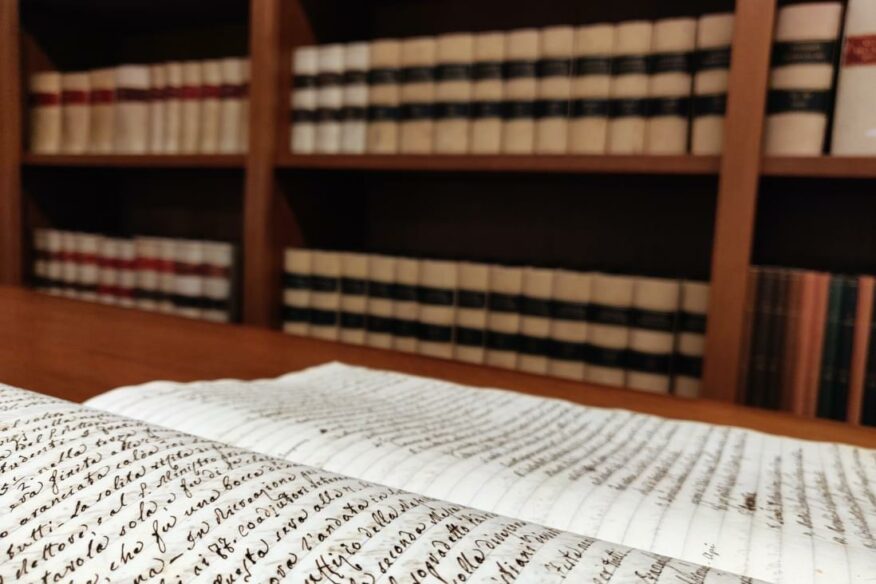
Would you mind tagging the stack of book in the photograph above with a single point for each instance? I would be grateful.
(176, 276)
(643, 333)
(628, 88)
(810, 349)
(191, 107)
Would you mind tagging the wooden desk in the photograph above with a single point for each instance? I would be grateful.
(75, 350)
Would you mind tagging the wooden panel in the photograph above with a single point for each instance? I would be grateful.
(737, 195)
(76, 350)
(552, 164)
(821, 166)
(137, 160)
(10, 146)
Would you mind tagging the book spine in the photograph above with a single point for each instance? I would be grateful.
(854, 117)
(791, 356)
(535, 320)
(405, 306)
(302, 101)
(69, 265)
(41, 258)
(868, 404)
(687, 366)
(217, 271)
(173, 106)
(354, 114)
(131, 127)
(554, 71)
(453, 93)
(522, 51)
(845, 340)
(778, 309)
(101, 97)
(210, 107)
(669, 86)
(75, 111)
(157, 103)
(471, 313)
(232, 92)
(297, 272)
(190, 111)
(188, 278)
(329, 98)
(755, 279)
(55, 261)
(354, 299)
(384, 97)
(45, 112)
(652, 334)
(803, 342)
(243, 136)
(167, 275)
(436, 295)
(813, 378)
(488, 93)
(863, 317)
(381, 288)
(609, 330)
(591, 87)
(87, 272)
(148, 291)
(417, 95)
(759, 349)
(503, 318)
(108, 259)
(629, 88)
(828, 375)
(569, 329)
(127, 273)
(325, 295)
(799, 100)
(712, 66)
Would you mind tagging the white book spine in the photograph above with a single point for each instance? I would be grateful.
(231, 95)
(87, 247)
(522, 52)
(305, 65)
(108, 271)
(503, 317)
(669, 86)
(554, 90)
(329, 98)
(188, 277)
(167, 275)
(148, 252)
(691, 339)
(131, 128)
(210, 107)
(854, 122)
(384, 97)
(801, 78)
(569, 327)
(190, 110)
(471, 312)
(218, 273)
(417, 95)
(45, 112)
(126, 288)
(652, 334)
(325, 295)
(298, 268)
(453, 93)
(243, 136)
(380, 319)
(55, 261)
(609, 330)
(75, 123)
(591, 87)
(714, 42)
(488, 92)
(535, 322)
(354, 298)
(629, 88)
(41, 259)
(173, 109)
(405, 308)
(157, 104)
(69, 267)
(102, 116)
(437, 299)
(355, 99)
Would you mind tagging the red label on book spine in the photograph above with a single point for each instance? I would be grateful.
(228, 91)
(860, 50)
(40, 99)
(99, 96)
(210, 91)
(74, 97)
(132, 94)
(190, 92)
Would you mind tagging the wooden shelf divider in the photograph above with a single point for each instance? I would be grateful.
(269, 222)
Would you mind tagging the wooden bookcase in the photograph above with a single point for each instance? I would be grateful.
(680, 216)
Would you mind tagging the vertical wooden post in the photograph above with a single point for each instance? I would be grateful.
(11, 237)
(737, 196)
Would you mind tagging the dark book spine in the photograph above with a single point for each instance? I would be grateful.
(778, 326)
(868, 408)
(829, 353)
(757, 371)
(845, 342)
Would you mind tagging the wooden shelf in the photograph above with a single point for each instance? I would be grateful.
(690, 165)
(140, 161)
(820, 166)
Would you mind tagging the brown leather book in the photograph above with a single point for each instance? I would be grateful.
(863, 316)
(817, 332)
(803, 341)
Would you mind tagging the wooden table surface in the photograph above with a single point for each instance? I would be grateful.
(75, 350)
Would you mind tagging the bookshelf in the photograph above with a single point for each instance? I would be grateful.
(705, 208)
